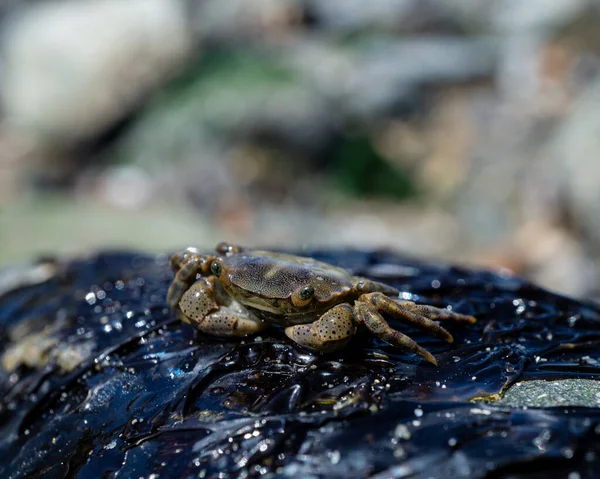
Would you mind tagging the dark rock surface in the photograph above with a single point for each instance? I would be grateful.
(99, 379)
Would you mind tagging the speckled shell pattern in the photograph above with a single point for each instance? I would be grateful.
(264, 281)
(276, 275)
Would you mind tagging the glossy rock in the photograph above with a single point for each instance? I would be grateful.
(99, 379)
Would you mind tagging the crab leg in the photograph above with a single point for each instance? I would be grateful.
(437, 314)
(187, 266)
(183, 278)
(368, 316)
(367, 309)
(385, 304)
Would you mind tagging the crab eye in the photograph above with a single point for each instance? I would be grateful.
(303, 296)
(306, 293)
(215, 268)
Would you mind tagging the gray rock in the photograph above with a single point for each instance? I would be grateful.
(71, 69)
(344, 14)
(565, 392)
(515, 16)
(576, 147)
(379, 72)
(235, 21)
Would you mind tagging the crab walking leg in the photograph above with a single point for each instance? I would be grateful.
(437, 314)
(401, 313)
(330, 332)
(191, 254)
(368, 316)
(185, 276)
(200, 306)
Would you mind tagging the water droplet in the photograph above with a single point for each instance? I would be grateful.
(334, 457)
(567, 452)
(399, 453)
(541, 441)
(520, 305)
(402, 432)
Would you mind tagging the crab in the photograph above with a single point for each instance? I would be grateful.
(239, 291)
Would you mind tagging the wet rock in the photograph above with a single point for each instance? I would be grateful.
(128, 389)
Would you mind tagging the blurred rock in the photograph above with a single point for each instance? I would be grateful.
(549, 254)
(380, 74)
(411, 15)
(233, 21)
(236, 125)
(234, 97)
(71, 69)
(517, 16)
(13, 148)
(576, 148)
(126, 187)
(352, 14)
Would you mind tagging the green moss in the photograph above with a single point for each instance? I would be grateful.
(223, 69)
(358, 169)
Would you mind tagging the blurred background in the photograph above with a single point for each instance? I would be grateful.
(453, 130)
